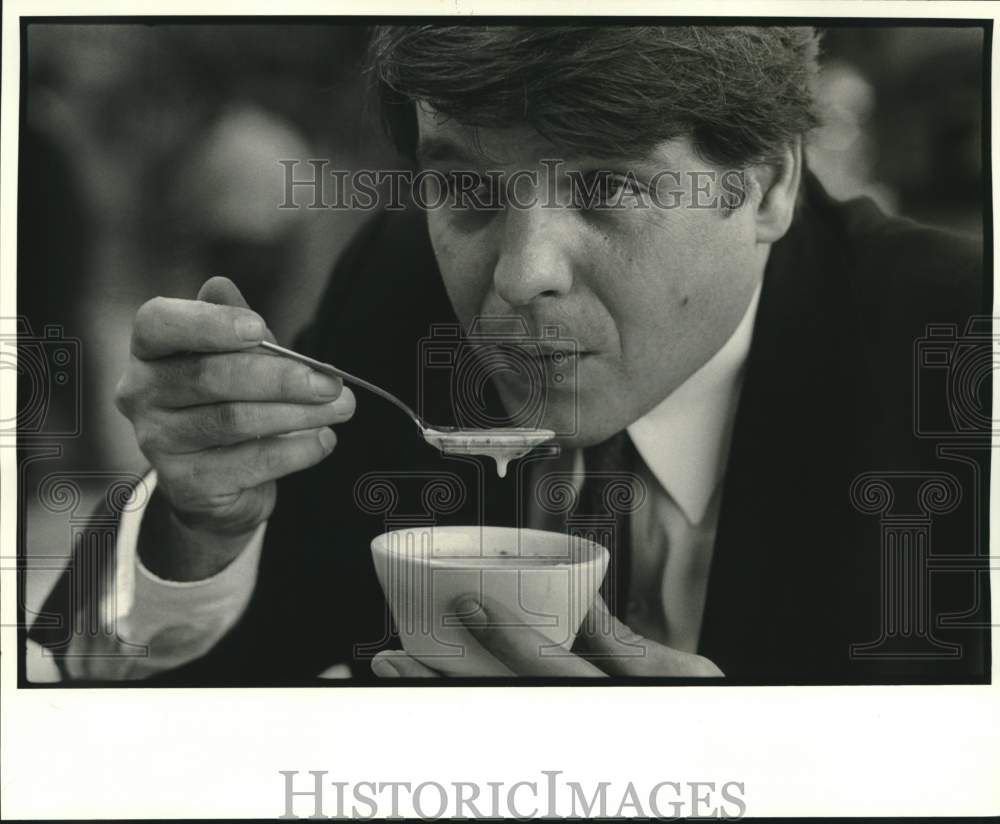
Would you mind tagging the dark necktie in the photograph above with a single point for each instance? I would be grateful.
(602, 511)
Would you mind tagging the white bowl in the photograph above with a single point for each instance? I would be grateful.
(548, 580)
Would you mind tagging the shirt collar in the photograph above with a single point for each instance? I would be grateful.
(684, 440)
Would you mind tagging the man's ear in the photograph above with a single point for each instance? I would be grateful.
(777, 185)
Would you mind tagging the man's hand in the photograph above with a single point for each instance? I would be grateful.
(219, 420)
(605, 646)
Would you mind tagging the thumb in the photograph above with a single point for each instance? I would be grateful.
(616, 648)
(224, 292)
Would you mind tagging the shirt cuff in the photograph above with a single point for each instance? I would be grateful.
(131, 576)
(176, 620)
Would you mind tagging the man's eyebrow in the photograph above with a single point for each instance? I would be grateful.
(638, 162)
(441, 149)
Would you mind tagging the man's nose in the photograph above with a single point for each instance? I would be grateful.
(535, 255)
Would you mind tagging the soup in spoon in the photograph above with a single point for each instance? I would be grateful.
(503, 445)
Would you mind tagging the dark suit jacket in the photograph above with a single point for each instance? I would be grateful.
(820, 575)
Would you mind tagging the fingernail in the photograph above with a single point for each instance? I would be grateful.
(250, 328)
(384, 669)
(467, 604)
(327, 439)
(324, 386)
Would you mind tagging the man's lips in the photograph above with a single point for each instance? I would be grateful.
(542, 350)
(560, 356)
(539, 353)
(553, 365)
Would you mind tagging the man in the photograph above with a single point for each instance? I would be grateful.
(743, 350)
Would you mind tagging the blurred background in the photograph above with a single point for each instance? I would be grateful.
(149, 162)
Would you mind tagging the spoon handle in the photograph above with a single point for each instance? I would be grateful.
(319, 366)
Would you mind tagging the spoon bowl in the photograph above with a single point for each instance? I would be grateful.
(503, 445)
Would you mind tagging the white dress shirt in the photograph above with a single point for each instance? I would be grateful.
(683, 442)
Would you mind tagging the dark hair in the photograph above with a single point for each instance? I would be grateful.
(740, 93)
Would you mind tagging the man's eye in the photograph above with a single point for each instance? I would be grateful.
(471, 190)
(606, 190)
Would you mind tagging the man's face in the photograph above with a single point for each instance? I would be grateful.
(647, 294)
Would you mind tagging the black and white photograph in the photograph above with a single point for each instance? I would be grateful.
(407, 358)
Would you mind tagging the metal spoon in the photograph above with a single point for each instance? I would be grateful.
(502, 444)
